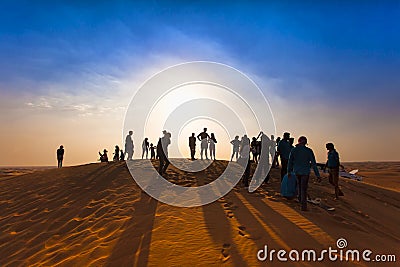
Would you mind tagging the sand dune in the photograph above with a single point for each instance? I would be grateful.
(96, 215)
(6, 172)
(383, 174)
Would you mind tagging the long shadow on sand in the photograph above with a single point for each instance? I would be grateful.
(136, 235)
(214, 215)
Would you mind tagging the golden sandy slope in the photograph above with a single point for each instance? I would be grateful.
(96, 215)
(384, 174)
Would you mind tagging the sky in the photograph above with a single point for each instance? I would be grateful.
(68, 70)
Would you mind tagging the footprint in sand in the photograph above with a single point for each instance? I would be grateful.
(225, 251)
(227, 206)
(221, 199)
(242, 231)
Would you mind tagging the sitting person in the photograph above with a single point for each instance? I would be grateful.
(103, 157)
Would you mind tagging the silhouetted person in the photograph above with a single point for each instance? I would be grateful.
(258, 149)
(122, 155)
(300, 159)
(116, 154)
(284, 149)
(152, 151)
(278, 139)
(236, 145)
(166, 143)
(145, 147)
(272, 150)
(157, 156)
(264, 156)
(244, 146)
(276, 161)
(162, 151)
(60, 156)
(333, 165)
(203, 137)
(103, 157)
(192, 146)
(255, 149)
(129, 147)
(212, 142)
(247, 172)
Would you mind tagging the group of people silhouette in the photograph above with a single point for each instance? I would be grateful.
(206, 142)
(295, 160)
(118, 155)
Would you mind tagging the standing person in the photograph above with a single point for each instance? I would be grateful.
(152, 151)
(166, 143)
(263, 161)
(247, 172)
(254, 149)
(272, 150)
(116, 153)
(244, 147)
(129, 147)
(276, 161)
(192, 146)
(300, 159)
(162, 151)
(122, 155)
(258, 149)
(212, 141)
(145, 147)
(333, 164)
(236, 145)
(203, 138)
(60, 156)
(284, 149)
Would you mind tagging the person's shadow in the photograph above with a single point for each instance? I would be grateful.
(136, 235)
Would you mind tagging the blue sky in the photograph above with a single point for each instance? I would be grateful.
(329, 56)
(340, 48)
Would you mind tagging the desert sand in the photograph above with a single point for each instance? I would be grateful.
(96, 215)
(384, 174)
